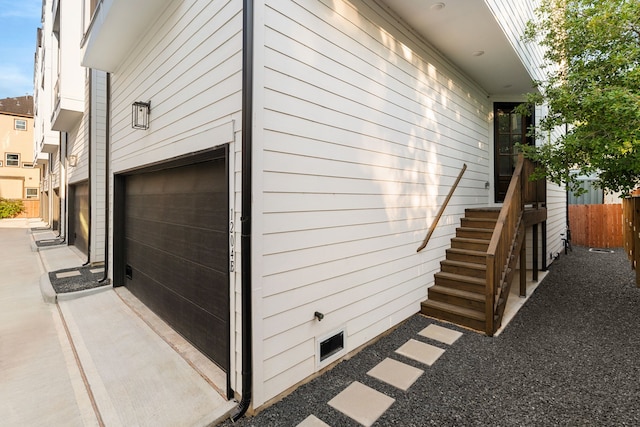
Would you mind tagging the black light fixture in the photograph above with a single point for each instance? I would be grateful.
(140, 115)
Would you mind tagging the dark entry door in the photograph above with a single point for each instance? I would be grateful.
(510, 129)
(176, 250)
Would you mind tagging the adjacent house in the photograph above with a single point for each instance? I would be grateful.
(70, 131)
(272, 166)
(19, 180)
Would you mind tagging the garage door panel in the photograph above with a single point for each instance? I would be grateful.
(195, 209)
(190, 321)
(209, 176)
(207, 288)
(209, 247)
(177, 250)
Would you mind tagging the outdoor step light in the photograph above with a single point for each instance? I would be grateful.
(140, 115)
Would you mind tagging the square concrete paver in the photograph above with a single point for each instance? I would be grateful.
(398, 374)
(441, 334)
(361, 403)
(313, 421)
(422, 352)
(68, 274)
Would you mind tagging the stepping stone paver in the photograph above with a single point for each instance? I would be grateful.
(439, 333)
(361, 403)
(422, 352)
(68, 274)
(313, 421)
(398, 374)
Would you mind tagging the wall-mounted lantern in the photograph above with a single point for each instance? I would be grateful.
(73, 160)
(140, 115)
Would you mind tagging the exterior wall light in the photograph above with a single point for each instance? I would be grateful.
(73, 160)
(140, 115)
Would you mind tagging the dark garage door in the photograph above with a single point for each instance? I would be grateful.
(176, 250)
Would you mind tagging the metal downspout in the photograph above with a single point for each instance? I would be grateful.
(89, 171)
(245, 220)
(107, 140)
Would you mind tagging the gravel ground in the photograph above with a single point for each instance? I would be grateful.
(86, 280)
(570, 357)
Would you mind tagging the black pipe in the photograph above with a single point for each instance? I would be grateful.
(66, 193)
(107, 138)
(245, 219)
(89, 170)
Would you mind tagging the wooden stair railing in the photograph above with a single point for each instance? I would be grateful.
(442, 208)
(474, 280)
(505, 244)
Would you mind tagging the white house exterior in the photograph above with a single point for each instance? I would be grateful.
(294, 161)
(70, 132)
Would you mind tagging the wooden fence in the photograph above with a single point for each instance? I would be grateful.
(596, 226)
(31, 208)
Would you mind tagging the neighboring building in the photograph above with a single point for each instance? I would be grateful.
(71, 131)
(271, 176)
(19, 180)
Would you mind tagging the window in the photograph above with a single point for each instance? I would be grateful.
(32, 193)
(0, 163)
(12, 159)
(20, 124)
(27, 165)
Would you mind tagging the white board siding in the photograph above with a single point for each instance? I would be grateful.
(556, 219)
(364, 130)
(512, 16)
(98, 179)
(189, 67)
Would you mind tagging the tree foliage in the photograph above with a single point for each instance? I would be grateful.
(592, 90)
(10, 208)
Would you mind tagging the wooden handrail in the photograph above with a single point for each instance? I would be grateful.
(506, 239)
(434, 224)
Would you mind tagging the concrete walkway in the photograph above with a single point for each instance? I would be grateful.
(91, 359)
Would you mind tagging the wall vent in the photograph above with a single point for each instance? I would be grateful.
(330, 347)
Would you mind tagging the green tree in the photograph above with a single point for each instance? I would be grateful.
(10, 208)
(592, 90)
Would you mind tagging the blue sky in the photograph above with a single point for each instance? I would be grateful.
(19, 20)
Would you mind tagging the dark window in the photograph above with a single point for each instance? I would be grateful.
(12, 159)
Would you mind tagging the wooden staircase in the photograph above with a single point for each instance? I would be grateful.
(459, 292)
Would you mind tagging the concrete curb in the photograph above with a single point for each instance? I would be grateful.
(50, 296)
(46, 288)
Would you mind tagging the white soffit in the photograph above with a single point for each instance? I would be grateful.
(459, 30)
(116, 28)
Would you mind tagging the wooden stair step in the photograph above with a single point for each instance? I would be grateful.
(482, 213)
(452, 313)
(470, 244)
(488, 223)
(459, 281)
(464, 268)
(466, 299)
(474, 233)
(466, 255)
